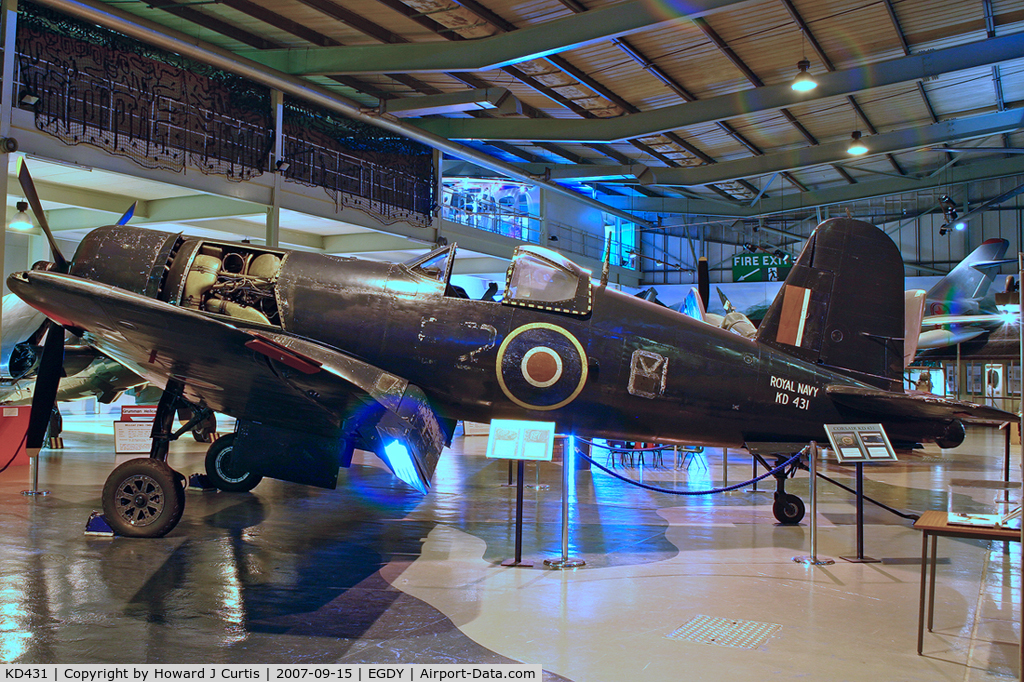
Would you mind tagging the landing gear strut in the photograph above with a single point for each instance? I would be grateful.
(788, 509)
(145, 497)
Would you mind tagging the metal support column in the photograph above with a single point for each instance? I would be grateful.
(277, 159)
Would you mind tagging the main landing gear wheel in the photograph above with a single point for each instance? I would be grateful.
(226, 470)
(788, 509)
(143, 498)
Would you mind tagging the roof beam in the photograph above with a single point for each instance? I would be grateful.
(114, 204)
(768, 98)
(827, 153)
(368, 242)
(482, 54)
(835, 195)
(499, 99)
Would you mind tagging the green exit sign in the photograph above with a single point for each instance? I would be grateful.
(760, 267)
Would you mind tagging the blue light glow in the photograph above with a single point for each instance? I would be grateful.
(398, 459)
(569, 460)
(959, 226)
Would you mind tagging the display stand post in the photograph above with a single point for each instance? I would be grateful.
(518, 561)
(860, 558)
(568, 467)
(725, 468)
(813, 559)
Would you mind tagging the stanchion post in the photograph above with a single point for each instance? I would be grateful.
(725, 468)
(567, 470)
(34, 467)
(813, 559)
(1006, 452)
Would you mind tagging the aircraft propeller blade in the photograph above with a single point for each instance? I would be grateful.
(29, 188)
(47, 381)
(123, 220)
(704, 281)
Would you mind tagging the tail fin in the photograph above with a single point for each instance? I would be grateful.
(842, 304)
(969, 280)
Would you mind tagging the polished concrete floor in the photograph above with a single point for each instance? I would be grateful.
(374, 572)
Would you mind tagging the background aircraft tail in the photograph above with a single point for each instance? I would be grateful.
(842, 305)
(969, 280)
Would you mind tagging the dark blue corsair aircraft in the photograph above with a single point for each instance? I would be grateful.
(316, 355)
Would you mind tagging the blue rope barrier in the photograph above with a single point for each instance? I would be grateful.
(770, 472)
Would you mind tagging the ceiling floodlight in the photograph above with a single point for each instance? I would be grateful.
(856, 146)
(21, 220)
(803, 81)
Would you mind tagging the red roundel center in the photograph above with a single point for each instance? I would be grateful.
(541, 366)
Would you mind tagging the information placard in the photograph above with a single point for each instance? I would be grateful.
(518, 439)
(132, 437)
(138, 413)
(854, 443)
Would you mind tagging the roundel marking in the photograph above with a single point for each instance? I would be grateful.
(541, 366)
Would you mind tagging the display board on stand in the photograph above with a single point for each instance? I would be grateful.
(857, 444)
(133, 431)
(520, 440)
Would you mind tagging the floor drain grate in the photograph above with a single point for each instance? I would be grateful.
(743, 634)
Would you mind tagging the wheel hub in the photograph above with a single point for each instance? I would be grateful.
(140, 500)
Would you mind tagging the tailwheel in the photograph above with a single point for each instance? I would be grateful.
(788, 509)
(143, 498)
(226, 469)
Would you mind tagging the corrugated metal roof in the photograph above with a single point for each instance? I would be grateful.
(594, 79)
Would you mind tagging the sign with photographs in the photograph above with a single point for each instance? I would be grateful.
(854, 443)
(517, 439)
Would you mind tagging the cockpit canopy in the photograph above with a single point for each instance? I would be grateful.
(541, 278)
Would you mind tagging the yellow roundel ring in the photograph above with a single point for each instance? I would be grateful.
(541, 366)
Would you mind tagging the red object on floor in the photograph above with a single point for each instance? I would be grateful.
(13, 426)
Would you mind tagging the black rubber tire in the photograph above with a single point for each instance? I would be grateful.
(788, 509)
(143, 498)
(225, 470)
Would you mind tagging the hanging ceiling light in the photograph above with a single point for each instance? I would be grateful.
(21, 220)
(856, 146)
(803, 81)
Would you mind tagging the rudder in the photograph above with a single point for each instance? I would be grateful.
(842, 305)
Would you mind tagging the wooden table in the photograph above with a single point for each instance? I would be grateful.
(934, 524)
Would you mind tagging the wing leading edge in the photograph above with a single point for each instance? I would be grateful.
(253, 374)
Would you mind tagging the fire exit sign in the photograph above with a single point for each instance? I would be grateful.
(760, 267)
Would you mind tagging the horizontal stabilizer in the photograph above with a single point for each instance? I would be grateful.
(890, 404)
(989, 264)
